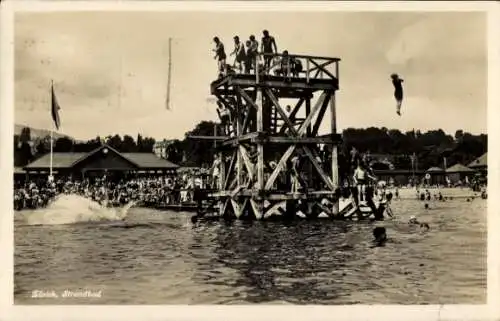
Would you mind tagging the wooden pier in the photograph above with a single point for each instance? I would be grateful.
(265, 139)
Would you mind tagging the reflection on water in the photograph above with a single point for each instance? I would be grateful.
(157, 257)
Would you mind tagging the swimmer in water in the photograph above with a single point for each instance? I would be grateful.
(413, 221)
(380, 235)
(398, 92)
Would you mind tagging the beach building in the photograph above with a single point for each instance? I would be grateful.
(459, 172)
(103, 160)
(480, 164)
(437, 175)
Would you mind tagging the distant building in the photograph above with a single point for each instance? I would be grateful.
(459, 172)
(103, 160)
(160, 148)
(480, 164)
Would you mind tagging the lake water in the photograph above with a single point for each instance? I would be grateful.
(157, 257)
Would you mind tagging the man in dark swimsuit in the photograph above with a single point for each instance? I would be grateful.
(220, 55)
(398, 91)
(268, 46)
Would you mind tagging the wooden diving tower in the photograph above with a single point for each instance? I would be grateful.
(265, 139)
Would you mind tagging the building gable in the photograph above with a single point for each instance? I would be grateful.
(105, 158)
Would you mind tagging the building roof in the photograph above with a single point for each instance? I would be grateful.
(68, 160)
(59, 160)
(481, 161)
(458, 168)
(149, 160)
(435, 169)
(19, 170)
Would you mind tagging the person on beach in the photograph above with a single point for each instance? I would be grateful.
(220, 55)
(268, 46)
(398, 91)
(216, 172)
(239, 51)
(361, 178)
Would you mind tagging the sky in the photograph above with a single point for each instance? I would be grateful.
(110, 68)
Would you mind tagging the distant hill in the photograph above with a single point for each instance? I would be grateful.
(37, 133)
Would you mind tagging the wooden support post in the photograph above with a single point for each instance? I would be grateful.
(239, 129)
(260, 153)
(307, 70)
(335, 168)
(308, 111)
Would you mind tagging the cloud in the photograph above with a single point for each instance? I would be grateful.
(110, 68)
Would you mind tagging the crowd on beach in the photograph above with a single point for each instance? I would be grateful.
(145, 191)
(179, 188)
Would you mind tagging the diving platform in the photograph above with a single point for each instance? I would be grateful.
(272, 157)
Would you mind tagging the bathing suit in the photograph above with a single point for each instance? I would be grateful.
(267, 44)
(398, 88)
(360, 176)
(219, 50)
(240, 52)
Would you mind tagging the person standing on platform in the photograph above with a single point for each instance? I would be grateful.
(253, 50)
(239, 51)
(268, 46)
(220, 55)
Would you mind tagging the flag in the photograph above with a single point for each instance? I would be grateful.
(55, 109)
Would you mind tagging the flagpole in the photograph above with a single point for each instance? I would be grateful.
(169, 74)
(51, 134)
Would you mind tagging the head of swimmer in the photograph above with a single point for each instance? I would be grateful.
(380, 235)
(216, 40)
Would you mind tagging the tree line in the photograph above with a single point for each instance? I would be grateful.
(429, 147)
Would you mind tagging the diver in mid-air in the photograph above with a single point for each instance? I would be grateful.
(398, 91)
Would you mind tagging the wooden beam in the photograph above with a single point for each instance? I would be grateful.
(257, 209)
(280, 166)
(312, 157)
(276, 104)
(293, 131)
(301, 140)
(277, 195)
(293, 113)
(321, 114)
(308, 111)
(246, 161)
(230, 170)
(294, 83)
(218, 138)
(241, 139)
(321, 65)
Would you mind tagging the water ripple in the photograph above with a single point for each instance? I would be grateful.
(160, 258)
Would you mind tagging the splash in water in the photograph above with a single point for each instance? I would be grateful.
(69, 209)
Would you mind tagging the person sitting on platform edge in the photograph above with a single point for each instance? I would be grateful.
(288, 66)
